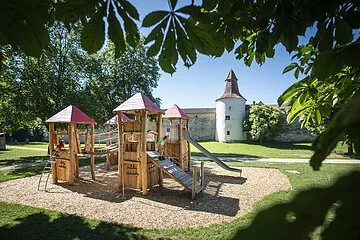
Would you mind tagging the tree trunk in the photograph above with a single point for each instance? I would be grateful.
(350, 149)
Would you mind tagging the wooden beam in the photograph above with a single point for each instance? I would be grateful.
(193, 187)
(143, 165)
(121, 177)
(92, 158)
(202, 175)
(181, 150)
(51, 151)
(71, 149)
(188, 145)
(159, 136)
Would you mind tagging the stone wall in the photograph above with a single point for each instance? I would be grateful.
(202, 124)
(294, 133)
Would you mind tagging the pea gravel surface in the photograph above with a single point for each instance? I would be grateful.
(226, 196)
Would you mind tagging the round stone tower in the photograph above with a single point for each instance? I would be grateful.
(230, 112)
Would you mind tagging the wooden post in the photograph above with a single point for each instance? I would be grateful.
(159, 136)
(108, 143)
(92, 158)
(143, 165)
(121, 176)
(181, 160)
(188, 145)
(71, 149)
(51, 149)
(193, 189)
(202, 179)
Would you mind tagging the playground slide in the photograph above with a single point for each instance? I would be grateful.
(209, 154)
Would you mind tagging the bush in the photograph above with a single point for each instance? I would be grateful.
(265, 122)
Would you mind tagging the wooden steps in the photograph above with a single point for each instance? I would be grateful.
(174, 172)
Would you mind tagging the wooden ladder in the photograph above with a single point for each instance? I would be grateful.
(48, 167)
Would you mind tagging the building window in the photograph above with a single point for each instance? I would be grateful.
(227, 132)
(227, 117)
(229, 108)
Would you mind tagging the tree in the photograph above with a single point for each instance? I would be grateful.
(249, 28)
(265, 121)
(110, 80)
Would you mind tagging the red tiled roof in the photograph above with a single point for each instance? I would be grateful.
(231, 89)
(175, 112)
(138, 102)
(114, 119)
(71, 114)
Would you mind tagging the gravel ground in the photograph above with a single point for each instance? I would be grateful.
(226, 196)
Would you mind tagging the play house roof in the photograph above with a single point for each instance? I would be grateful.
(138, 102)
(114, 119)
(231, 89)
(175, 112)
(71, 114)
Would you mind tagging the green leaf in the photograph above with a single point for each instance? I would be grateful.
(72, 11)
(116, 33)
(153, 18)
(326, 40)
(290, 67)
(93, 34)
(343, 32)
(353, 19)
(318, 117)
(129, 8)
(173, 4)
(132, 32)
(345, 121)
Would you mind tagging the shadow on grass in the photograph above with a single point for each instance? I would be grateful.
(40, 226)
(22, 160)
(230, 155)
(282, 145)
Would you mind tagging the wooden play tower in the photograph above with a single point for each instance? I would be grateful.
(175, 121)
(65, 162)
(112, 157)
(136, 137)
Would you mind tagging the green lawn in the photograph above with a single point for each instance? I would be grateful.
(23, 222)
(264, 150)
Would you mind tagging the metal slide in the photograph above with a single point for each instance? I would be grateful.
(209, 154)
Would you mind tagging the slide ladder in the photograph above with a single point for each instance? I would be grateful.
(174, 172)
(209, 154)
(47, 170)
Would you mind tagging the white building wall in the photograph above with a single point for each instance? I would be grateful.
(230, 113)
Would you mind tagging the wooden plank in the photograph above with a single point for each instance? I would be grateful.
(193, 187)
(143, 166)
(92, 159)
(51, 149)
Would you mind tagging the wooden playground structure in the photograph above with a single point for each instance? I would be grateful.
(131, 144)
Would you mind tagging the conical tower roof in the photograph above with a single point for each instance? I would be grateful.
(114, 119)
(71, 114)
(175, 112)
(138, 102)
(231, 89)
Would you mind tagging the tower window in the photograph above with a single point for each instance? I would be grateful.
(229, 108)
(227, 132)
(227, 117)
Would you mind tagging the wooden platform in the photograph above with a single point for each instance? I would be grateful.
(174, 171)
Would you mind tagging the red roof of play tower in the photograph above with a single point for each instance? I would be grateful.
(71, 114)
(231, 89)
(138, 102)
(175, 112)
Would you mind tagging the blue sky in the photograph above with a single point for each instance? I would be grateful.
(200, 85)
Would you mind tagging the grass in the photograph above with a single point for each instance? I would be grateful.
(24, 222)
(265, 150)
(40, 145)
